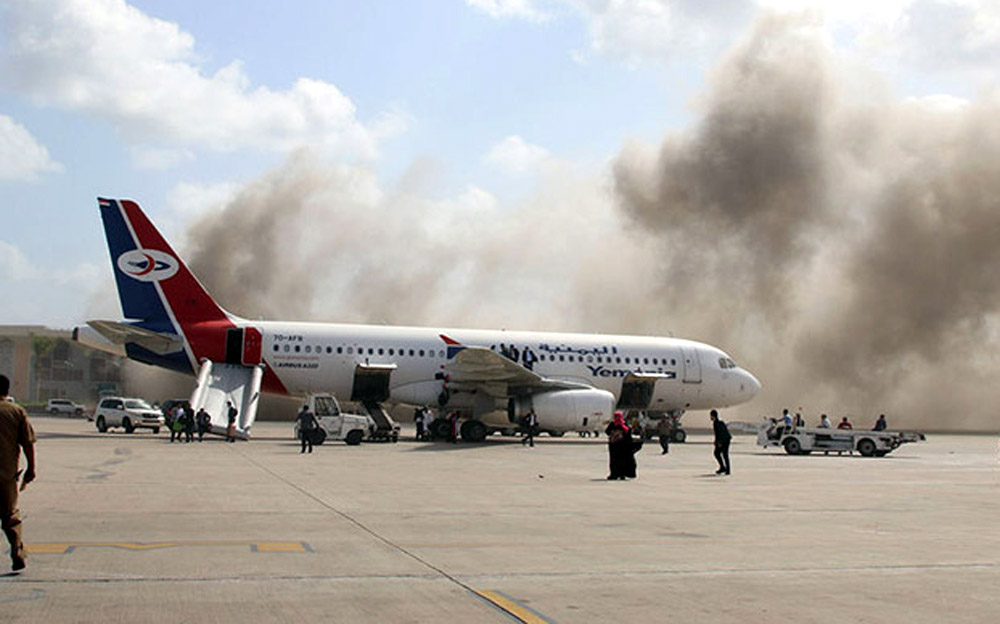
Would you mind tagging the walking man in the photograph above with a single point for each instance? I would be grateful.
(530, 423)
(722, 439)
(665, 429)
(16, 434)
(307, 428)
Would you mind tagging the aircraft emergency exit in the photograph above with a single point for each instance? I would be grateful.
(573, 382)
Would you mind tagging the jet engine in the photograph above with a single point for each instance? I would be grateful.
(565, 410)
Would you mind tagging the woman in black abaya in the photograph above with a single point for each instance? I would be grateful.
(621, 451)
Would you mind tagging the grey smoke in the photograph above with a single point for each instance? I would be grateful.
(838, 242)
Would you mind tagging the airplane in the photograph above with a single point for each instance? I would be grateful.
(572, 381)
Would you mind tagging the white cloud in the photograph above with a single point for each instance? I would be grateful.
(108, 59)
(21, 156)
(514, 155)
(498, 9)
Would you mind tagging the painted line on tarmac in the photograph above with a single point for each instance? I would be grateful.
(512, 607)
(65, 548)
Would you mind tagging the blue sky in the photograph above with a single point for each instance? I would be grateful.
(178, 104)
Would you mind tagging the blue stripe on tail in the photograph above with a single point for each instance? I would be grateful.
(140, 300)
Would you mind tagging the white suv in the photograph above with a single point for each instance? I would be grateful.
(63, 406)
(127, 414)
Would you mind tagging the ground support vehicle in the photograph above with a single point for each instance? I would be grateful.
(129, 414)
(805, 440)
(335, 424)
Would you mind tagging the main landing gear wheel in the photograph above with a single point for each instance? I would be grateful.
(440, 429)
(474, 431)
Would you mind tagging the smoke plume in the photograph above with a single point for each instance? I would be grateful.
(837, 242)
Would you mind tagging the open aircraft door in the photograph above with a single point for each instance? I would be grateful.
(636, 393)
(243, 346)
(692, 365)
(371, 382)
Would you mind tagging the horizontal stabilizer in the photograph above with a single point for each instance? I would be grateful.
(123, 333)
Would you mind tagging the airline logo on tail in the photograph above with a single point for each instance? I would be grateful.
(147, 265)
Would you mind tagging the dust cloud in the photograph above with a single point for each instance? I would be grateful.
(837, 241)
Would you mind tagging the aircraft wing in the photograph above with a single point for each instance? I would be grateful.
(498, 375)
(122, 333)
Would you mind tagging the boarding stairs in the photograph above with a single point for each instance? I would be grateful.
(219, 383)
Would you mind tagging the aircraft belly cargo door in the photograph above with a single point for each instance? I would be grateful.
(371, 382)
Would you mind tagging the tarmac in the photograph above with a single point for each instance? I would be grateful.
(132, 528)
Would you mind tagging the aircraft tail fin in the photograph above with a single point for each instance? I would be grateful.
(159, 294)
(154, 285)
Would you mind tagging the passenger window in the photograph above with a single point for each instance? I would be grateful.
(381, 351)
(441, 354)
(421, 353)
(411, 352)
(371, 351)
(276, 348)
(562, 358)
(308, 349)
(298, 348)
(645, 360)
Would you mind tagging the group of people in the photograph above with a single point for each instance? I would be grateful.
(526, 357)
(183, 423)
(824, 421)
(623, 445)
(182, 420)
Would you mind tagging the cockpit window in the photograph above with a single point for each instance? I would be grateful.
(726, 363)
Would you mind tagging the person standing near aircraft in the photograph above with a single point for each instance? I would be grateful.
(722, 440)
(188, 420)
(307, 428)
(231, 426)
(665, 429)
(16, 434)
(529, 358)
(530, 424)
(621, 457)
(204, 422)
(418, 422)
(453, 429)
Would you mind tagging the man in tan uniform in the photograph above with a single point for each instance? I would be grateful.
(15, 434)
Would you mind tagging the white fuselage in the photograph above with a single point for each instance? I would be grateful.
(318, 357)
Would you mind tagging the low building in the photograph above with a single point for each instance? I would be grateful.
(45, 364)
